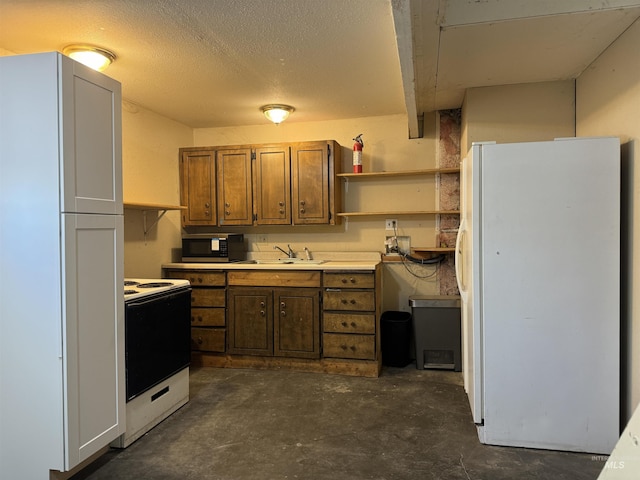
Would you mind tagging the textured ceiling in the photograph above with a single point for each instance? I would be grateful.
(209, 63)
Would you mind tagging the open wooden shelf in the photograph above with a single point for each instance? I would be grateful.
(391, 214)
(153, 206)
(403, 173)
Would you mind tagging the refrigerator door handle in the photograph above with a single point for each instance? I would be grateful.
(459, 259)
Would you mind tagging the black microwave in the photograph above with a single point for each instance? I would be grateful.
(213, 248)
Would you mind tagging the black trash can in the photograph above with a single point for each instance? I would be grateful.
(396, 338)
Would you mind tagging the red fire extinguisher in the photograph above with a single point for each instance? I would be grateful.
(357, 154)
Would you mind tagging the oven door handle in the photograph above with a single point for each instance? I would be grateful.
(159, 296)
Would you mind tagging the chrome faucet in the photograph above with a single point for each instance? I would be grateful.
(289, 254)
(306, 250)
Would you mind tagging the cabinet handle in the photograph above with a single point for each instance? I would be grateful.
(344, 280)
(344, 301)
(352, 280)
(302, 210)
(206, 212)
(302, 202)
(262, 305)
(281, 204)
(262, 312)
(227, 204)
(206, 205)
(281, 210)
(353, 324)
(227, 213)
(283, 313)
(352, 301)
(283, 305)
(344, 324)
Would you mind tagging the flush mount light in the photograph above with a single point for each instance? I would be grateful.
(93, 57)
(277, 113)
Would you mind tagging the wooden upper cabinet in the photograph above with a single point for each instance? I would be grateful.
(313, 169)
(234, 187)
(275, 184)
(198, 187)
(272, 185)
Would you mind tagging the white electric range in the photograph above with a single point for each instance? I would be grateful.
(158, 352)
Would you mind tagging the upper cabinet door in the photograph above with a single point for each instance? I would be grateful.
(198, 187)
(234, 187)
(313, 182)
(272, 186)
(91, 132)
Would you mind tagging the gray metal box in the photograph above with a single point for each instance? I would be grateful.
(436, 329)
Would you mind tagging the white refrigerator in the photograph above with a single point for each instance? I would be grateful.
(538, 269)
(62, 371)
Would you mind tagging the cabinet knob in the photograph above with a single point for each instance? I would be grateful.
(344, 324)
(353, 324)
(352, 280)
(302, 202)
(227, 212)
(353, 348)
(281, 210)
(283, 313)
(262, 313)
(227, 204)
(302, 210)
(352, 301)
(344, 280)
(199, 340)
(283, 305)
(281, 204)
(343, 347)
(206, 212)
(262, 304)
(207, 205)
(344, 301)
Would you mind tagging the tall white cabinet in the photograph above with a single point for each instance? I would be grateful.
(61, 265)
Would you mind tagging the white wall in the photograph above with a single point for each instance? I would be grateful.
(150, 145)
(608, 103)
(524, 112)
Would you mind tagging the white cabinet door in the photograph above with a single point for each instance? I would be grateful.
(93, 337)
(91, 130)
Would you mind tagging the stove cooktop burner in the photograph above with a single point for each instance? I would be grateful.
(130, 292)
(129, 283)
(154, 285)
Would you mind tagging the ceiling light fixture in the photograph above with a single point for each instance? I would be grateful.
(277, 113)
(93, 57)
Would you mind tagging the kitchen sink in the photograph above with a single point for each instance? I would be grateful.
(289, 261)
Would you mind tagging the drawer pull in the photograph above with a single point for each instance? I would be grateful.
(344, 301)
(353, 348)
(352, 280)
(344, 324)
(352, 302)
(353, 324)
(199, 340)
(343, 347)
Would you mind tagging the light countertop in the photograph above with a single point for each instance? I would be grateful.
(330, 261)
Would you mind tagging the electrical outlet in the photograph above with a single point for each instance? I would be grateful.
(390, 224)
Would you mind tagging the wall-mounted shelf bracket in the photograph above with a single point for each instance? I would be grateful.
(146, 207)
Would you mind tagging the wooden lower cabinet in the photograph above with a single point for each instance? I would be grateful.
(208, 308)
(278, 322)
(351, 308)
(309, 320)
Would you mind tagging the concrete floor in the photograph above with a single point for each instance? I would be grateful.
(267, 425)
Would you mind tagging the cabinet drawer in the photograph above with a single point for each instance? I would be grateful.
(361, 347)
(348, 280)
(207, 317)
(349, 323)
(349, 300)
(208, 297)
(208, 339)
(199, 278)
